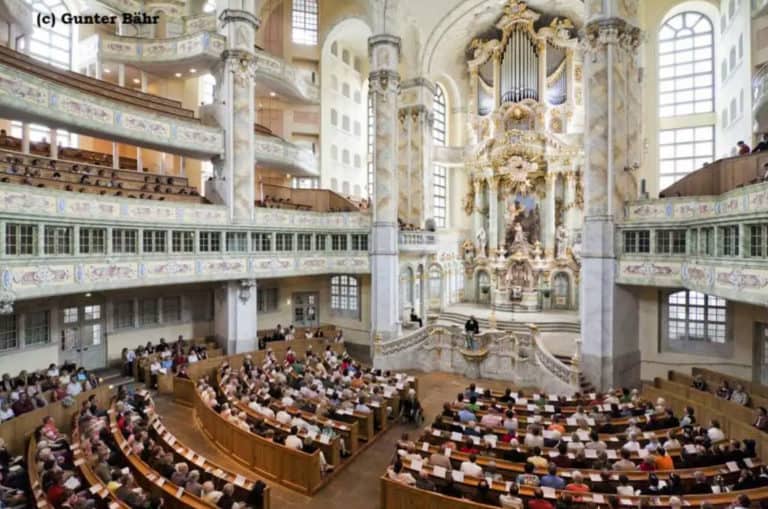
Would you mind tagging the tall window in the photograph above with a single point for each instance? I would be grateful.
(684, 150)
(439, 193)
(207, 86)
(8, 333)
(438, 110)
(696, 316)
(686, 65)
(371, 137)
(37, 328)
(51, 44)
(344, 295)
(304, 22)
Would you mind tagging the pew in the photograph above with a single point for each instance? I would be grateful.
(294, 469)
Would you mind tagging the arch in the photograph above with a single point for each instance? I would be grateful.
(482, 286)
(435, 286)
(561, 290)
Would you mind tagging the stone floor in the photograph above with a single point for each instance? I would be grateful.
(357, 485)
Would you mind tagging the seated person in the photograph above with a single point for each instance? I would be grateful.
(415, 318)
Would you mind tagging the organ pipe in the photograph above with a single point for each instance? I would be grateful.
(519, 68)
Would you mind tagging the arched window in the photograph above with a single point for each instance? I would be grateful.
(304, 22)
(370, 145)
(686, 65)
(438, 110)
(695, 316)
(51, 44)
(345, 296)
(686, 87)
(334, 116)
(439, 173)
(335, 48)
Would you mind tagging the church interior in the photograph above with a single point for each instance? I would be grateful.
(379, 254)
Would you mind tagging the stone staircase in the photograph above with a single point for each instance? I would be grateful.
(514, 326)
(586, 385)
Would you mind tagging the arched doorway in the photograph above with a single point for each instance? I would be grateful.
(435, 288)
(483, 290)
(561, 291)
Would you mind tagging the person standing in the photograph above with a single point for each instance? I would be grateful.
(471, 327)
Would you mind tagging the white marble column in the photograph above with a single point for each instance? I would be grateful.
(493, 216)
(235, 87)
(115, 155)
(235, 316)
(610, 351)
(477, 214)
(571, 209)
(53, 136)
(25, 134)
(384, 54)
(548, 216)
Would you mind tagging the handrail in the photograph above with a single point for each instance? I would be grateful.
(404, 342)
(560, 370)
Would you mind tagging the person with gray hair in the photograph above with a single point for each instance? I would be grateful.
(193, 485)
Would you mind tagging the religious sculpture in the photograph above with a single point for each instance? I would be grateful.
(519, 233)
(482, 241)
(562, 241)
(468, 250)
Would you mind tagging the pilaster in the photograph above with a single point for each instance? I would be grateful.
(235, 317)
(235, 88)
(384, 55)
(548, 215)
(493, 215)
(611, 352)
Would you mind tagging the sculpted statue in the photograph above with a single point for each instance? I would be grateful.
(482, 240)
(562, 241)
(519, 233)
(537, 250)
(469, 251)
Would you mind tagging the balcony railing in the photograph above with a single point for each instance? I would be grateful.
(285, 78)
(275, 152)
(418, 241)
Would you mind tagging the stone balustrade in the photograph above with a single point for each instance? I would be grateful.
(275, 152)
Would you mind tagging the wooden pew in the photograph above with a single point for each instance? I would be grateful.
(397, 495)
(16, 431)
(243, 485)
(149, 479)
(294, 469)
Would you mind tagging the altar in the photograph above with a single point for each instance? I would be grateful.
(525, 191)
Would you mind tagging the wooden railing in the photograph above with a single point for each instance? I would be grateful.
(720, 176)
(318, 200)
(735, 421)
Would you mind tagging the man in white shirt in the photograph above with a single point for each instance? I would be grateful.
(293, 441)
(632, 444)
(74, 388)
(714, 432)
(471, 468)
(362, 407)
(283, 417)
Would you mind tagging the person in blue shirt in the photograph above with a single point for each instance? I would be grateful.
(552, 480)
(465, 415)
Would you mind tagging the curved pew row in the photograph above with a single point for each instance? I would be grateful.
(182, 452)
(175, 496)
(397, 495)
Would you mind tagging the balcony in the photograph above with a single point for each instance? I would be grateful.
(271, 151)
(720, 176)
(700, 264)
(285, 79)
(162, 57)
(38, 274)
(20, 13)
(35, 92)
(417, 242)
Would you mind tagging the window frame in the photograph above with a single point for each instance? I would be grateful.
(345, 296)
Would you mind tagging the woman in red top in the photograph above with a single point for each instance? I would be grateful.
(55, 493)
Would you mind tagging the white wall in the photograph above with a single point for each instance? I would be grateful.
(346, 178)
(656, 363)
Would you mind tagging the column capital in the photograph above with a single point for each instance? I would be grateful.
(614, 31)
(384, 81)
(233, 15)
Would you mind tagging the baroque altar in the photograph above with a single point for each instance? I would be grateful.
(524, 159)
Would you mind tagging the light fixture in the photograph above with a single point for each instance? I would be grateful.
(193, 71)
(272, 94)
(136, 80)
(88, 294)
(107, 70)
(178, 75)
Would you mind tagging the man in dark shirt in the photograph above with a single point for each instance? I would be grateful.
(471, 328)
(226, 501)
(763, 145)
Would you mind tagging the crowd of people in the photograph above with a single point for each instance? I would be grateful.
(322, 384)
(29, 391)
(171, 357)
(290, 333)
(488, 432)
